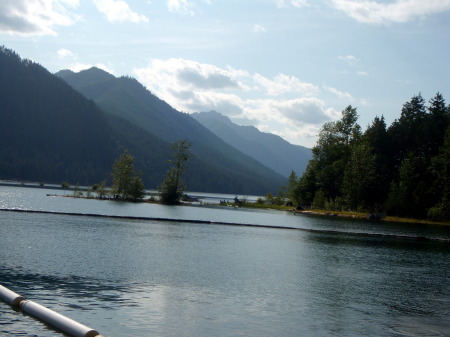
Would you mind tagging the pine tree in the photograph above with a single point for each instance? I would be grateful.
(172, 188)
(126, 183)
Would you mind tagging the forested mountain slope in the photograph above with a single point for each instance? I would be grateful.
(269, 149)
(49, 132)
(127, 98)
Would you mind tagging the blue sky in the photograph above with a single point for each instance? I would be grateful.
(284, 66)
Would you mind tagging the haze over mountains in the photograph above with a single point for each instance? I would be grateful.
(269, 149)
(127, 98)
(50, 132)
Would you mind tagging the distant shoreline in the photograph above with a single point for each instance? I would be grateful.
(318, 212)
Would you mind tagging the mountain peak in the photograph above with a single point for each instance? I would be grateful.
(65, 72)
(213, 115)
(269, 149)
(97, 71)
(87, 76)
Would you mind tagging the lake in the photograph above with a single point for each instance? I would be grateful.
(137, 277)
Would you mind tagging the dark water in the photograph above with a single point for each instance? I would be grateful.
(148, 278)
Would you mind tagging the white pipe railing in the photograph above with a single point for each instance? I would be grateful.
(10, 297)
(46, 315)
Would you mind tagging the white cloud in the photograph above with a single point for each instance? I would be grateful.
(182, 75)
(35, 17)
(63, 53)
(70, 61)
(258, 29)
(283, 84)
(399, 11)
(207, 78)
(362, 73)
(296, 120)
(364, 102)
(77, 67)
(184, 7)
(300, 3)
(350, 59)
(309, 110)
(340, 94)
(294, 3)
(118, 11)
(291, 106)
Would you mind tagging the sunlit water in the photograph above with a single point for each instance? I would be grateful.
(126, 277)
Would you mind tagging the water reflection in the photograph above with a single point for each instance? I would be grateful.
(51, 288)
(143, 278)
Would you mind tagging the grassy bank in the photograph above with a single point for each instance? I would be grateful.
(359, 215)
(345, 214)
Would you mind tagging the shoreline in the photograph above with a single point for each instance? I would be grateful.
(318, 212)
(327, 213)
(364, 216)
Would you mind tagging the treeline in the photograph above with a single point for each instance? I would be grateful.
(400, 170)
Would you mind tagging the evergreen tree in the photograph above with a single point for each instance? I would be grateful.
(360, 177)
(437, 122)
(333, 151)
(126, 183)
(172, 188)
(377, 138)
(403, 170)
(136, 189)
(307, 184)
(407, 132)
(293, 189)
(407, 193)
(441, 210)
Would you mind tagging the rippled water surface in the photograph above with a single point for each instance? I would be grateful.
(126, 277)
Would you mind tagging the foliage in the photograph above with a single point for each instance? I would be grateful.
(172, 188)
(293, 189)
(441, 210)
(100, 189)
(65, 185)
(77, 192)
(359, 177)
(126, 183)
(402, 170)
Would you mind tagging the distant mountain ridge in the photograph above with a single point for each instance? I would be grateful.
(269, 149)
(128, 99)
(50, 132)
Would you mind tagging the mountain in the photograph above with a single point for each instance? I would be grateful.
(269, 149)
(49, 132)
(126, 98)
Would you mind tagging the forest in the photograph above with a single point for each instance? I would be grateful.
(50, 132)
(400, 170)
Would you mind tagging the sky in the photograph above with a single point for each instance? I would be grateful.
(284, 66)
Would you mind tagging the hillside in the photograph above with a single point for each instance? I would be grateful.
(51, 133)
(269, 149)
(127, 98)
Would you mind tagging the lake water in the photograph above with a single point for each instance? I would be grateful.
(137, 277)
